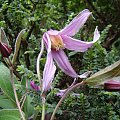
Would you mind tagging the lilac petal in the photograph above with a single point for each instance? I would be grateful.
(48, 73)
(34, 86)
(96, 35)
(78, 45)
(63, 62)
(47, 41)
(61, 92)
(53, 32)
(73, 27)
(86, 74)
(50, 68)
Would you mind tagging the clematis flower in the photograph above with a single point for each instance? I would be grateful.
(56, 41)
(5, 50)
(34, 86)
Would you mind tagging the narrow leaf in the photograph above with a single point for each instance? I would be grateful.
(3, 37)
(104, 74)
(28, 108)
(17, 45)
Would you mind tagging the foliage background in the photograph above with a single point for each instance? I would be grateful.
(37, 16)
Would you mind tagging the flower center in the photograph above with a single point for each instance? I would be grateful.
(56, 42)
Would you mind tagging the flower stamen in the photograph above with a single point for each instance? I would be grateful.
(56, 42)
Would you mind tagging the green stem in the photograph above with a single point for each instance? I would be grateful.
(14, 90)
(39, 78)
(38, 61)
(43, 109)
(63, 97)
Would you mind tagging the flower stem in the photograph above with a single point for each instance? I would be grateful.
(14, 90)
(43, 109)
(39, 78)
(63, 97)
(38, 61)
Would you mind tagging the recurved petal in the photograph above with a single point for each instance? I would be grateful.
(78, 45)
(48, 73)
(63, 62)
(61, 92)
(85, 75)
(96, 34)
(75, 44)
(73, 27)
(47, 41)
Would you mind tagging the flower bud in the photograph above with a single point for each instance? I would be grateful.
(34, 86)
(112, 85)
(5, 50)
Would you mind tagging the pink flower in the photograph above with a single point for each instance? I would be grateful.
(34, 86)
(5, 50)
(56, 41)
(112, 85)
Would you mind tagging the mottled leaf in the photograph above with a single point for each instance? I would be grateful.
(17, 45)
(104, 74)
(3, 37)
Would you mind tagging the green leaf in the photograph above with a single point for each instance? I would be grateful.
(28, 108)
(17, 45)
(104, 74)
(3, 37)
(116, 78)
(5, 83)
(9, 114)
(5, 103)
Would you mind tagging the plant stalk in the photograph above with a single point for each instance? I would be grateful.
(39, 78)
(63, 97)
(38, 61)
(14, 90)
(43, 109)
